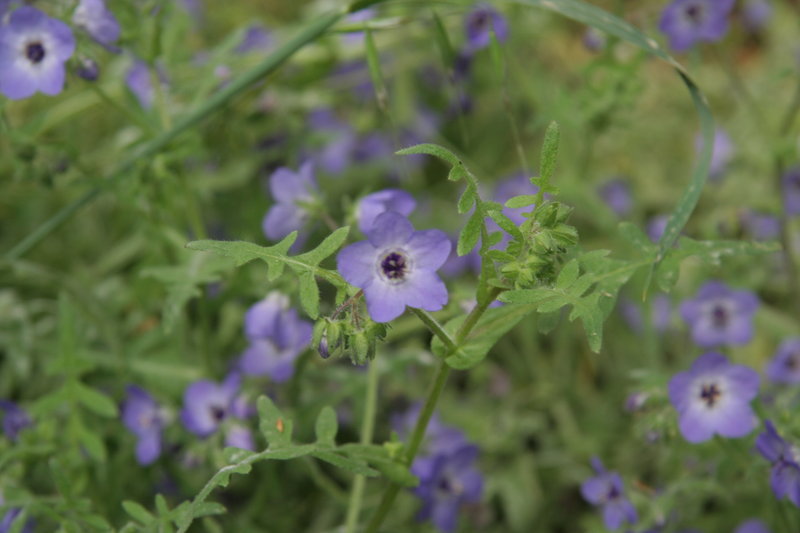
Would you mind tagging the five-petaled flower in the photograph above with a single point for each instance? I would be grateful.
(785, 459)
(396, 267)
(606, 490)
(720, 315)
(714, 396)
(277, 337)
(145, 419)
(688, 21)
(33, 50)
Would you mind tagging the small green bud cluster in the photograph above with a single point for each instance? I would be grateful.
(356, 338)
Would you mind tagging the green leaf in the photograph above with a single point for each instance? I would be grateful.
(95, 401)
(443, 41)
(636, 238)
(523, 200)
(137, 512)
(467, 199)
(470, 234)
(494, 323)
(549, 152)
(374, 65)
(351, 465)
(505, 223)
(568, 275)
(93, 444)
(309, 294)
(244, 252)
(329, 246)
(326, 426)
(435, 150)
(275, 427)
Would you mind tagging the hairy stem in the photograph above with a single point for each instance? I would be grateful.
(367, 429)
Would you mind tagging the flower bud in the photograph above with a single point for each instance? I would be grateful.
(87, 69)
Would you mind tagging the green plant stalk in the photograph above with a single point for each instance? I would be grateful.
(308, 34)
(367, 430)
(436, 328)
(436, 388)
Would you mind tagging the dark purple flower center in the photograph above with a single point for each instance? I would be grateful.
(719, 316)
(791, 363)
(217, 412)
(448, 486)
(710, 394)
(613, 492)
(394, 266)
(480, 20)
(35, 52)
(695, 12)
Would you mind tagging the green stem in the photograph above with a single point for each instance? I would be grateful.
(123, 110)
(436, 328)
(145, 152)
(439, 380)
(367, 429)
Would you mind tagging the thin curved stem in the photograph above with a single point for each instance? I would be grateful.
(436, 328)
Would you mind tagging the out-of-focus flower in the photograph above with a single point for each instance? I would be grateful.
(208, 405)
(256, 38)
(756, 14)
(144, 418)
(785, 366)
(293, 193)
(785, 459)
(7, 523)
(379, 202)
(94, 17)
(517, 185)
(714, 396)
(277, 337)
(33, 51)
(687, 22)
(396, 267)
(656, 227)
(761, 226)
(616, 193)
(606, 491)
(660, 311)
(721, 155)
(791, 191)
(479, 24)
(15, 419)
(87, 69)
(594, 40)
(720, 315)
(139, 82)
(754, 525)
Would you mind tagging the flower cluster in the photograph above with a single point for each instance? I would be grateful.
(446, 470)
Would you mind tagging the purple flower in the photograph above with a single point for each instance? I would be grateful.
(606, 490)
(479, 24)
(686, 22)
(721, 154)
(7, 523)
(785, 366)
(439, 438)
(97, 20)
(207, 405)
(761, 226)
(616, 193)
(594, 40)
(785, 476)
(656, 227)
(277, 337)
(15, 419)
(791, 191)
(376, 203)
(143, 417)
(756, 14)
(714, 397)
(138, 81)
(447, 481)
(720, 315)
(33, 51)
(660, 311)
(753, 525)
(396, 267)
(293, 193)
(255, 38)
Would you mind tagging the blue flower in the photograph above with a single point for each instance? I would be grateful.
(293, 193)
(277, 337)
(207, 406)
(785, 459)
(145, 419)
(720, 315)
(714, 396)
(754, 525)
(379, 202)
(616, 193)
(686, 22)
(97, 20)
(606, 491)
(33, 51)
(15, 419)
(396, 267)
(479, 24)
